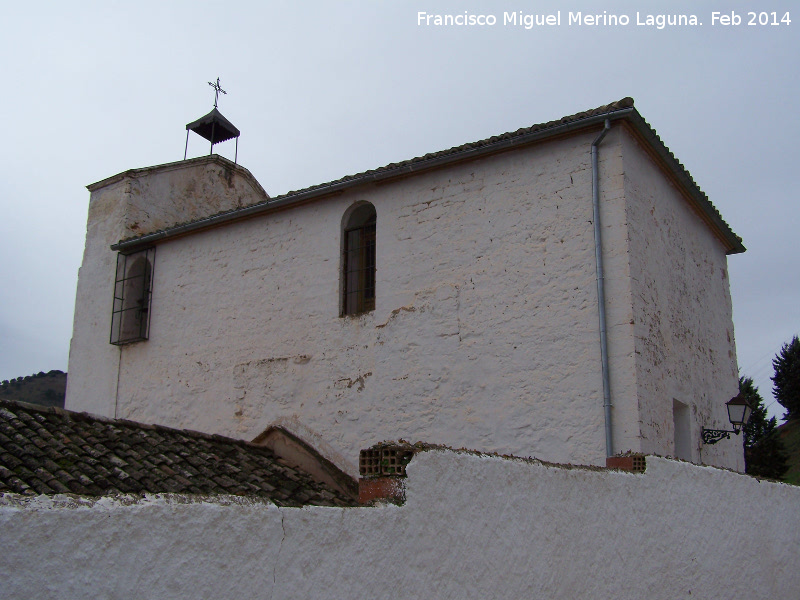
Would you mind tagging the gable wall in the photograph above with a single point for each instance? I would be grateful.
(683, 323)
(484, 333)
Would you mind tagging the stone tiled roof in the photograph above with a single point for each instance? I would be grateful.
(621, 109)
(51, 450)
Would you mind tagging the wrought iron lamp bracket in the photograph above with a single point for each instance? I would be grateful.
(712, 436)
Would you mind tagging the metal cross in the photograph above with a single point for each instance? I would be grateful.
(217, 90)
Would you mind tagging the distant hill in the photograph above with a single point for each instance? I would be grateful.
(789, 433)
(44, 389)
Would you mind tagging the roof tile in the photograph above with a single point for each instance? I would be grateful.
(51, 450)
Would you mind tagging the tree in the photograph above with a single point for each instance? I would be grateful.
(764, 454)
(786, 380)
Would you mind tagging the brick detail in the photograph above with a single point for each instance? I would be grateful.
(381, 488)
(635, 463)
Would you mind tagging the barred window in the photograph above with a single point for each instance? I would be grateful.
(130, 317)
(358, 264)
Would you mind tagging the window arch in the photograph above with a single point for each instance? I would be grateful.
(358, 260)
(130, 317)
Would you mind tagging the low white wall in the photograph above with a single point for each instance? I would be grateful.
(472, 527)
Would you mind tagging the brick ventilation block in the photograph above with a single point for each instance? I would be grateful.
(383, 468)
(634, 463)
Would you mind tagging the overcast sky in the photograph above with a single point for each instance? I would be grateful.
(322, 90)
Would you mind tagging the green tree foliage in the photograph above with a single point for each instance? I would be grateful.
(764, 454)
(786, 380)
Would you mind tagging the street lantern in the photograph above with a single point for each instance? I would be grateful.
(739, 411)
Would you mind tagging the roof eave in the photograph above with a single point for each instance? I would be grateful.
(732, 242)
(378, 175)
(711, 216)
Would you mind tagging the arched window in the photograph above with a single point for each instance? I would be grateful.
(130, 318)
(358, 260)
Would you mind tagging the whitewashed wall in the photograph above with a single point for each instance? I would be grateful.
(472, 527)
(683, 320)
(485, 332)
(123, 206)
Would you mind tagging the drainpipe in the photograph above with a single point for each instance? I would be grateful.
(601, 293)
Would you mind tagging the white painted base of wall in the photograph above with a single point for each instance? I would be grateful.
(473, 526)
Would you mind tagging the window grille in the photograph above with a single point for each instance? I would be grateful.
(133, 289)
(359, 261)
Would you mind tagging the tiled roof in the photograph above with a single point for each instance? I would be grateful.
(622, 109)
(461, 150)
(51, 450)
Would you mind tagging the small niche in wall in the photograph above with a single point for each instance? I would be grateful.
(682, 427)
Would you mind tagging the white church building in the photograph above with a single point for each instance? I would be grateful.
(558, 292)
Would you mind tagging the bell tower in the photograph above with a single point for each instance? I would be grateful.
(214, 127)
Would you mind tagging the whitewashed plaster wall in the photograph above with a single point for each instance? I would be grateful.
(485, 332)
(93, 362)
(126, 205)
(472, 527)
(682, 314)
